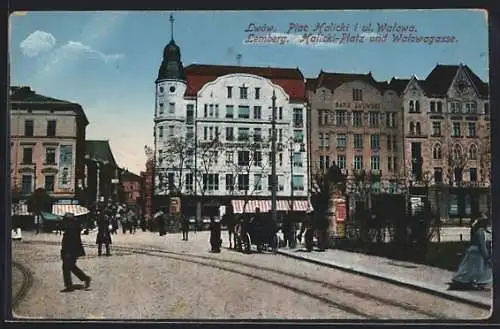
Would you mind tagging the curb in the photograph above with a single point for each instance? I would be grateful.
(415, 285)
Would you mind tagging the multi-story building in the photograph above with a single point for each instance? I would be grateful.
(447, 140)
(147, 178)
(47, 146)
(131, 184)
(356, 122)
(220, 118)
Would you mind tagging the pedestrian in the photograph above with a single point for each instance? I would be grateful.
(71, 249)
(215, 235)
(184, 227)
(37, 223)
(475, 269)
(286, 229)
(124, 222)
(160, 219)
(103, 234)
(130, 220)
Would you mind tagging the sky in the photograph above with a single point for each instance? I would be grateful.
(108, 61)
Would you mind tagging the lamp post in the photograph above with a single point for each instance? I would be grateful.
(34, 179)
(291, 149)
(274, 213)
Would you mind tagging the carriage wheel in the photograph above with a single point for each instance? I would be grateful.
(248, 243)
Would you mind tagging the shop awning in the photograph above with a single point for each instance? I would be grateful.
(61, 209)
(265, 205)
(46, 216)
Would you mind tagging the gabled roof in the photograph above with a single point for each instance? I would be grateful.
(441, 77)
(130, 176)
(291, 80)
(334, 80)
(100, 150)
(25, 97)
(398, 85)
(311, 84)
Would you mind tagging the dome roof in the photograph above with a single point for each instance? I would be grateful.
(171, 66)
(171, 50)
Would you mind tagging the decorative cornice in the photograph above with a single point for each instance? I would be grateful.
(50, 170)
(26, 170)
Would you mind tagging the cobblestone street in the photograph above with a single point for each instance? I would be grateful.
(153, 277)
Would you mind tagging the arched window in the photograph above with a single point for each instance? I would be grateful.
(417, 106)
(457, 151)
(473, 152)
(419, 131)
(411, 106)
(436, 151)
(412, 128)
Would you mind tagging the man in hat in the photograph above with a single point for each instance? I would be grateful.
(71, 249)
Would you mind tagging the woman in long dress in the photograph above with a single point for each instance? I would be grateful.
(475, 269)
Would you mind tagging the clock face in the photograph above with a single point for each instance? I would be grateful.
(172, 89)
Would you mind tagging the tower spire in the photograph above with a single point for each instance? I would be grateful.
(172, 26)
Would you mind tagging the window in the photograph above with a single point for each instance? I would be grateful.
(26, 184)
(257, 112)
(357, 119)
(341, 140)
(229, 92)
(243, 112)
(470, 107)
(298, 136)
(436, 129)
(390, 120)
(455, 107)
(243, 92)
(229, 133)
(27, 155)
(171, 108)
(389, 142)
(324, 162)
(395, 165)
(210, 182)
(160, 156)
(160, 131)
(457, 151)
(205, 133)
(229, 182)
(433, 106)
(243, 134)
(322, 117)
(50, 155)
(243, 158)
(297, 117)
(205, 111)
(473, 152)
(358, 162)
(257, 158)
(323, 140)
(270, 182)
(243, 182)
(189, 114)
(51, 128)
(161, 108)
(375, 162)
(486, 108)
(436, 152)
(216, 110)
(412, 128)
(373, 119)
(211, 110)
(280, 159)
(389, 163)
(189, 182)
(418, 130)
(171, 131)
(394, 143)
(473, 174)
(472, 129)
(257, 134)
(341, 161)
(49, 183)
(280, 113)
(438, 175)
(439, 108)
(229, 157)
(375, 142)
(358, 141)
(297, 159)
(171, 180)
(456, 129)
(417, 106)
(357, 95)
(340, 118)
(257, 182)
(28, 128)
(257, 93)
(411, 106)
(298, 182)
(229, 111)
(189, 133)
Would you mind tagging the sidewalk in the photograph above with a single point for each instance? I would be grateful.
(421, 277)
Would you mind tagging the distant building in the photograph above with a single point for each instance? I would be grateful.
(147, 179)
(102, 173)
(47, 146)
(131, 185)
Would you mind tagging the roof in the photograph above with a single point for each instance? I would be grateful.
(24, 96)
(291, 80)
(130, 176)
(311, 84)
(100, 150)
(333, 80)
(441, 77)
(398, 85)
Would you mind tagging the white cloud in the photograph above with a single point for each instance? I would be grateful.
(78, 47)
(37, 43)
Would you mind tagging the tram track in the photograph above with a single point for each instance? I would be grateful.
(26, 284)
(319, 290)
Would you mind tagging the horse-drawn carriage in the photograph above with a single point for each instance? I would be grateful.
(261, 232)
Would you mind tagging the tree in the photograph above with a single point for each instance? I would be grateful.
(40, 201)
(326, 183)
(249, 161)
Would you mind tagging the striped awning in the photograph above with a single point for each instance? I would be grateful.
(265, 205)
(19, 210)
(61, 209)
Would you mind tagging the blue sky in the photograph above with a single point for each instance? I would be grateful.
(108, 61)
